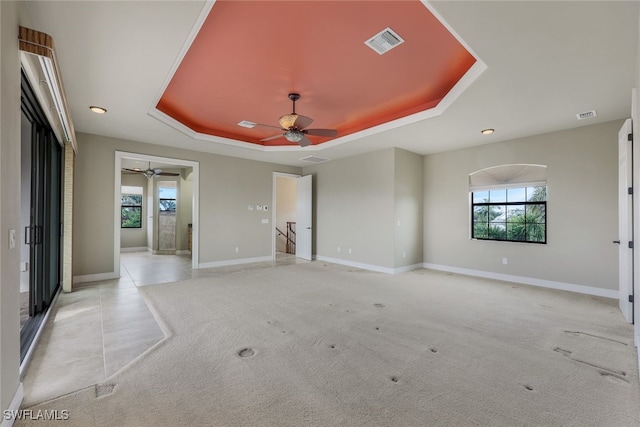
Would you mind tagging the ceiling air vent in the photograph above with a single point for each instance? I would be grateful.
(314, 159)
(384, 41)
(247, 124)
(587, 115)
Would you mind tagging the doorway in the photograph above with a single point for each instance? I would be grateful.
(172, 194)
(41, 216)
(292, 216)
(167, 216)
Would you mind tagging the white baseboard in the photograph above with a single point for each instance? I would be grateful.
(638, 352)
(234, 262)
(135, 249)
(370, 267)
(562, 286)
(94, 277)
(407, 268)
(183, 252)
(14, 406)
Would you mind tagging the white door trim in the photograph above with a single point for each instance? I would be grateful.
(304, 217)
(625, 221)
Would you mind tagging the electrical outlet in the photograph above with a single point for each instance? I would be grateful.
(404, 254)
(338, 248)
(349, 250)
(265, 220)
(237, 249)
(505, 261)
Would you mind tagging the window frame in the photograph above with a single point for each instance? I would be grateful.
(506, 204)
(130, 207)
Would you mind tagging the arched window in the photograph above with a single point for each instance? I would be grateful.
(509, 203)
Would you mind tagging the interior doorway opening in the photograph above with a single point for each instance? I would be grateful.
(163, 219)
(285, 202)
(292, 216)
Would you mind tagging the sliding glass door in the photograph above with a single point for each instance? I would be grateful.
(41, 215)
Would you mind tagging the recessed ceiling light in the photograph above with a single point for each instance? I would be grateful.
(487, 131)
(97, 109)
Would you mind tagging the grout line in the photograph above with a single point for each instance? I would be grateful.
(104, 355)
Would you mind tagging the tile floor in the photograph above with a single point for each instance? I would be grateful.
(100, 327)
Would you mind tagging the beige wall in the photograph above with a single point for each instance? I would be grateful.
(135, 237)
(581, 205)
(227, 186)
(358, 202)
(408, 196)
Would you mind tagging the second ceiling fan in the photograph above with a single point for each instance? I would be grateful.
(150, 173)
(294, 126)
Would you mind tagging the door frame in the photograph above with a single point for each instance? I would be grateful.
(119, 155)
(304, 226)
(274, 207)
(625, 221)
(636, 217)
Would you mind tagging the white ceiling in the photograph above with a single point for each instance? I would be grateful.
(547, 61)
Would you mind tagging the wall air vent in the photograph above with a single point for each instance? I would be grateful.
(587, 115)
(384, 41)
(314, 159)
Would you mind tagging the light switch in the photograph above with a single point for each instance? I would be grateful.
(259, 207)
(12, 238)
(250, 207)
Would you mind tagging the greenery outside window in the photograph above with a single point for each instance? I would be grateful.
(131, 208)
(510, 214)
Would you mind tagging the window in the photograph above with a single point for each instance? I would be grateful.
(131, 207)
(517, 214)
(167, 193)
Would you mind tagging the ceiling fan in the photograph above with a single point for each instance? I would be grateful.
(150, 173)
(294, 126)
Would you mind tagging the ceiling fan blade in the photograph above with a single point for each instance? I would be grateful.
(302, 122)
(167, 174)
(321, 132)
(270, 138)
(132, 170)
(304, 142)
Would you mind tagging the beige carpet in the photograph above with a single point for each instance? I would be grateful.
(317, 344)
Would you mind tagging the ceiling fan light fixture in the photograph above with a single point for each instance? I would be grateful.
(293, 135)
(288, 120)
(487, 131)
